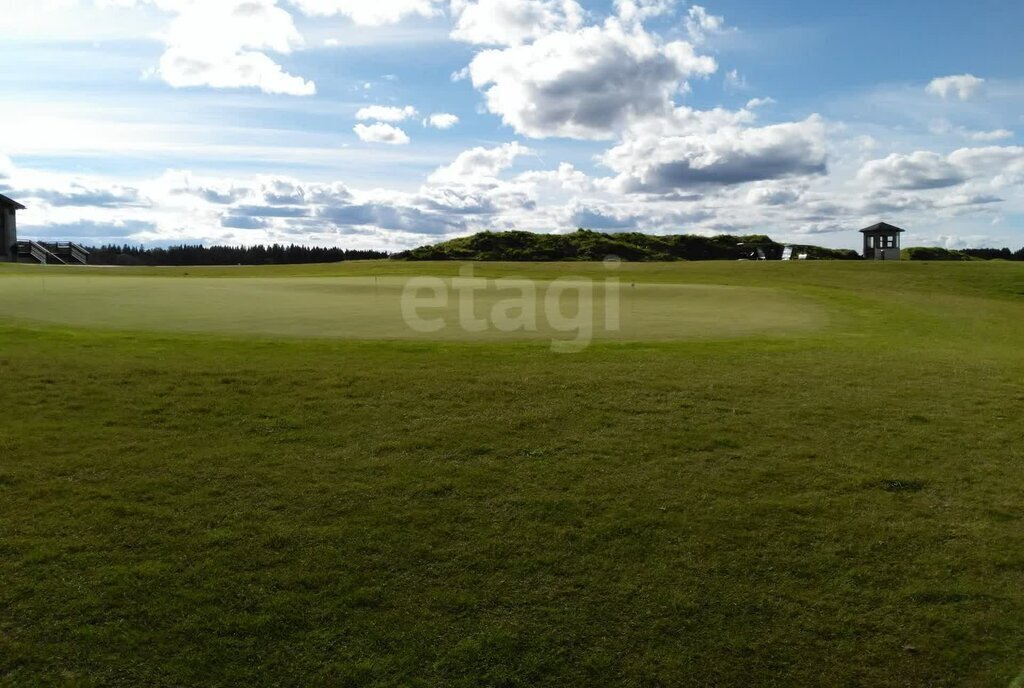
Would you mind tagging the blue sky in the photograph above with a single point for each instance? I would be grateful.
(394, 123)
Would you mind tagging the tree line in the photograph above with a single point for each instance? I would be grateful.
(276, 254)
(933, 253)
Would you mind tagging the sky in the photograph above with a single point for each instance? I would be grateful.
(389, 124)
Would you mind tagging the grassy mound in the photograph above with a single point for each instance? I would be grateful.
(632, 246)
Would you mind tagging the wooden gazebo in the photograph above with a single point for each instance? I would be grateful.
(882, 242)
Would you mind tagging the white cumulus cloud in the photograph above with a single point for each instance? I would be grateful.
(441, 120)
(994, 166)
(480, 163)
(640, 10)
(381, 133)
(1000, 165)
(994, 135)
(693, 149)
(917, 171)
(700, 25)
(585, 84)
(512, 22)
(962, 86)
(772, 195)
(369, 12)
(566, 177)
(383, 113)
(942, 127)
(224, 44)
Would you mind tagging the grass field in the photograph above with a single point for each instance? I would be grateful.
(370, 308)
(773, 474)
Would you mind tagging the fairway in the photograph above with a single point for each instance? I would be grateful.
(371, 307)
(773, 474)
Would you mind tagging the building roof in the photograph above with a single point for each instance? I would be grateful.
(10, 203)
(882, 227)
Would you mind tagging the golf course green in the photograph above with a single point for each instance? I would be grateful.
(748, 474)
(371, 308)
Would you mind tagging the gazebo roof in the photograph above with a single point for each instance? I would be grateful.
(10, 203)
(882, 228)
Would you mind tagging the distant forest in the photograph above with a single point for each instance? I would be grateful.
(930, 253)
(582, 245)
(276, 254)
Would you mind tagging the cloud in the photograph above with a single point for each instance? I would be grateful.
(917, 171)
(965, 199)
(1001, 166)
(954, 241)
(692, 149)
(941, 127)
(394, 217)
(463, 194)
(441, 120)
(992, 167)
(601, 218)
(512, 22)
(213, 194)
(566, 178)
(381, 133)
(384, 113)
(91, 231)
(641, 10)
(243, 222)
(995, 135)
(245, 69)
(818, 228)
(188, 208)
(275, 191)
(369, 12)
(335, 192)
(734, 81)
(963, 86)
(480, 163)
(6, 167)
(461, 201)
(886, 202)
(700, 25)
(772, 196)
(585, 84)
(223, 44)
(271, 211)
(79, 195)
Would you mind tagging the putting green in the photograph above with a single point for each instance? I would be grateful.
(380, 308)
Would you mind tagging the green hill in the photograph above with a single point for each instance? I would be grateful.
(586, 245)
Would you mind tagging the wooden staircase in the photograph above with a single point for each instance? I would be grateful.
(59, 253)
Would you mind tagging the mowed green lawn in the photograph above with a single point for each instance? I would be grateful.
(371, 307)
(771, 475)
